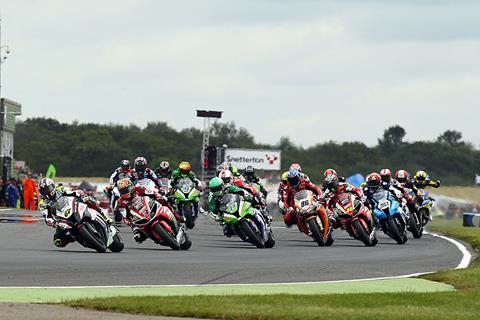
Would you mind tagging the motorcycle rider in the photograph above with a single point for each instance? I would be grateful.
(50, 194)
(123, 171)
(402, 176)
(296, 183)
(421, 180)
(217, 190)
(331, 171)
(184, 171)
(281, 192)
(251, 178)
(163, 170)
(128, 192)
(386, 176)
(141, 171)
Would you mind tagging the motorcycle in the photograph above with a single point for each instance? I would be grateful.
(392, 215)
(312, 217)
(356, 219)
(87, 226)
(245, 221)
(185, 196)
(158, 223)
(425, 204)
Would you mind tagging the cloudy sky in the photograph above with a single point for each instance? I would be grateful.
(310, 70)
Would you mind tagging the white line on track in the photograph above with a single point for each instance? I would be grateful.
(464, 263)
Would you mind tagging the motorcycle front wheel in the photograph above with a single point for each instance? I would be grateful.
(316, 233)
(166, 237)
(88, 232)
(252, 236)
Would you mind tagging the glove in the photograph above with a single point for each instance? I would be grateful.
(50, 222)
(437, 184)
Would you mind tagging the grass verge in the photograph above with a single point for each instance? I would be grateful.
(461, 304)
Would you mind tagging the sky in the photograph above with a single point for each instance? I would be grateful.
(311, 70)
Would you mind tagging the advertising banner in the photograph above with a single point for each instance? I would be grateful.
(259, 159)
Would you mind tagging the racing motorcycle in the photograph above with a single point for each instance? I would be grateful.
(313, 217)
(425, 203)
(392, 215)
(186, 194)
(158, 223)
(247, 222)
(356, 219)
(87, 226)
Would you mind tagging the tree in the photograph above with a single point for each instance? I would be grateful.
(450, 137)
(392, 138)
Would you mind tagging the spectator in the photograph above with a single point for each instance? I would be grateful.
(20, 190)
(11, 193)
(29, 191)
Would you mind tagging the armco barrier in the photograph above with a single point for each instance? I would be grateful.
(469, 219)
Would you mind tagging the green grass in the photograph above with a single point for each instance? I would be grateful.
(461, 304)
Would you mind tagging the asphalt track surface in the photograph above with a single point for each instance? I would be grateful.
(28, 258)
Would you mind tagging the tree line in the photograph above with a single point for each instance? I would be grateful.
(78, 149)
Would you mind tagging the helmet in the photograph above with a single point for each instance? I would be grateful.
(125, 165)
(374, 180)
(284, 177)
(249, 172)
(220, 168)
(329, 171)
(227, 166)
(226, 176)
(216, 186)
(124, 186)
(331, 182)
(386, 175)
(234, 170)
(293, 177)
(184, 168)
(420, 176)
(402, 176)
(140, 164)
(295, 166)
(47, 188)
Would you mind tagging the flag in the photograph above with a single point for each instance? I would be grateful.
(51, 172)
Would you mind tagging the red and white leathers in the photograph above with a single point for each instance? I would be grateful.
(405, 192)
(124, 201)
(281, 196)
(290, 217)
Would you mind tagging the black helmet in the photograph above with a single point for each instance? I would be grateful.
(249, 172)
(140, 164)
(47, 188)
(125, 165)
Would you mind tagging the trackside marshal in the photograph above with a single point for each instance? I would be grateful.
(259, 159)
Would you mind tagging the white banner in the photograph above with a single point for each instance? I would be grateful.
(259, 159)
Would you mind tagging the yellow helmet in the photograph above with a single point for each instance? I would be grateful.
(284, 177)
(420, 175)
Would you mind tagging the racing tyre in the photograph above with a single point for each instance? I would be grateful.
(187, 244)
(316, 233)
(117, 244)
(91, 237)
(187, 214)
(412, 223)
(393, 228)
(166, 237)
(270, 243)
(362, 233)
(252, 236)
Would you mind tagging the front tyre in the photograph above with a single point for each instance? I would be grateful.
(91, 237)
(394, 231)
(412, 223)
(316, 233)
(166, 237)
(187, 243)
(188, 215)
(252, 236)
(362, 233)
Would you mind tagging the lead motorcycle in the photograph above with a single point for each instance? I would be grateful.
(158, 223)
(247, 222)
(186, 195)
(312, 215)
(86, 225)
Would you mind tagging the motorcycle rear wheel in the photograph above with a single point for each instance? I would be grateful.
(166, 237)
(316, 233)
(270, 243)
(117, 244)
(412, 223)
(362, 233)
(188, 215)
(92, 241)
(187, 244)
(252, 236)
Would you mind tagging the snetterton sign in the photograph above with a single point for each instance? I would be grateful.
(259, 159)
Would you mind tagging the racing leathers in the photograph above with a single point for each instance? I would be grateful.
(177, 175)
(125, 200)
(147, 174)
(290, 218)
(112, 192)
(281, 196)
(163, 174)
(48, 208)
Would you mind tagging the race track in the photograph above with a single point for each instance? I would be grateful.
(28, 258)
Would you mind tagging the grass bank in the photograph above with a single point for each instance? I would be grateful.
(461, 304)
(471, 194)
